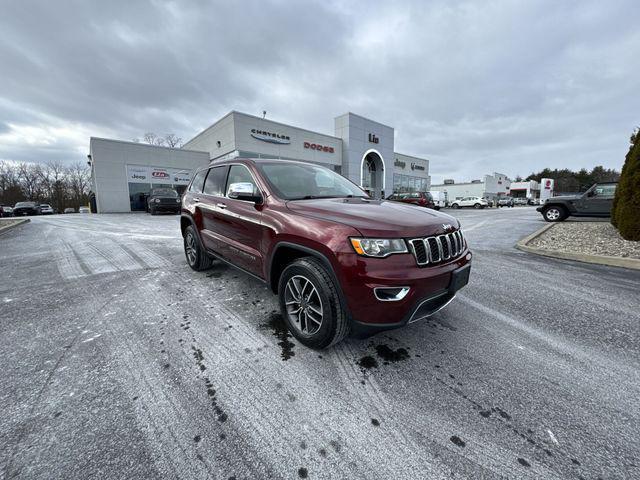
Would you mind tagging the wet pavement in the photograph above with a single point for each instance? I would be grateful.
(118, 361)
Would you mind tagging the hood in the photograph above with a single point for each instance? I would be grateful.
(377, 218)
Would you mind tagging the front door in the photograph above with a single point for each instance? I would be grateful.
(239, 225)
(599, 200)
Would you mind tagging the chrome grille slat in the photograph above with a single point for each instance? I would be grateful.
(437, 249)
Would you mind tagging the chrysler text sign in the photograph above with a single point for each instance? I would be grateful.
(270, 137)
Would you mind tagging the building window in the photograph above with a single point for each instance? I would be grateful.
(138, 193)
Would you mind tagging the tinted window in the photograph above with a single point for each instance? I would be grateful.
(214, 185)
(605, 190)
(298, 181)
(240, 174)
(198, 182)
(165, 192)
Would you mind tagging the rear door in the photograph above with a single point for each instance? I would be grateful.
(239, 224)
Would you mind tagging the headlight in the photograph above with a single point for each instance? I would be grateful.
(177, 200)
(157, 200)
(378, 247)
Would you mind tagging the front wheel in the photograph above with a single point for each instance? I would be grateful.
(554, 214)
(456, 206)
(197, 258)
(310, 304)
(477, 206)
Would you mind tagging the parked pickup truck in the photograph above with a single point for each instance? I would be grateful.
(595, 202)
(340, 261)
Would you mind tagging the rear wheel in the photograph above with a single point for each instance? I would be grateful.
(554, 214)
(197, 258)
(310, 304)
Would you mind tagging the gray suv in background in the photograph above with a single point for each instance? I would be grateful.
(595, 202)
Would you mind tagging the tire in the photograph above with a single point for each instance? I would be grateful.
(477, 206)
(196, 257)
(455, 205)
(300, 276)
(554, 214)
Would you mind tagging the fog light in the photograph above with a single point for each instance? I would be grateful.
(468, 257)
(390, 294)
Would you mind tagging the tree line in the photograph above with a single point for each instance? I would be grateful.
(59, 185)
(567, 180)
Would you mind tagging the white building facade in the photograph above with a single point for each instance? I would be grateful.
(361, 149)
(529, 189)
(491, 187)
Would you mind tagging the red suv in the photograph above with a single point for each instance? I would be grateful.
(423, 199)
(340, 261)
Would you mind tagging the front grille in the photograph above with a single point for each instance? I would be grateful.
(437, 249)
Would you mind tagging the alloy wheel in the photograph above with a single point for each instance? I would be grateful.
(553, 214)
(304, 306)
(190, 248)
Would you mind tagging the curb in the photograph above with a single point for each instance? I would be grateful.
(13, 225)
(631, 263)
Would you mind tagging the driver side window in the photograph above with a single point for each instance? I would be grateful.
(240, 174)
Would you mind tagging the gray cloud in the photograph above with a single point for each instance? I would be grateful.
(475, 87)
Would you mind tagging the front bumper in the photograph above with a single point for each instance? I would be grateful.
(430, 289)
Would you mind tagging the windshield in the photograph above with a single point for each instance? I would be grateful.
(294, 181)
(164, 192)
(25, 204)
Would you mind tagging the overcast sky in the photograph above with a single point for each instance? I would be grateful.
(475, 87)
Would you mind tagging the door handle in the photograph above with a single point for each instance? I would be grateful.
(196, 199)
(221, 205)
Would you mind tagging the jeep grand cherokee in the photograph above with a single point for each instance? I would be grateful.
(339, 261)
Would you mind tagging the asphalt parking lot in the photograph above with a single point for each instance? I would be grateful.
(118, 361)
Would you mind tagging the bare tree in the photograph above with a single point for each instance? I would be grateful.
(54, 178)
(78, 177)
(30, 175)
(152, 139)
(10, 191)
(172, 140)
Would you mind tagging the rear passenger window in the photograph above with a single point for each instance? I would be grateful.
(198, 182)
(214, 185)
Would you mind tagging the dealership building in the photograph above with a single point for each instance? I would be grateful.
(123, 173)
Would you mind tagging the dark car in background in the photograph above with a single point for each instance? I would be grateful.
(23, 209)
(163, 200)
(595, 202)
(422, 199)
(6, 211)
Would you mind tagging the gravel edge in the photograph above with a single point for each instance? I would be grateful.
(630, 263)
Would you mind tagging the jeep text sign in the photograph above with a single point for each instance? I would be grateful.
(137, 174)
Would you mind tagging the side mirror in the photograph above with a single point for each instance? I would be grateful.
(243, 191)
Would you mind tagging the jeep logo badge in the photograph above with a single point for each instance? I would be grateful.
(446, 226)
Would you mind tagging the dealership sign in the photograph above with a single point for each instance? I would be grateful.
(270, 137)
(157, 175)
(415, 166)
(320, 148)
